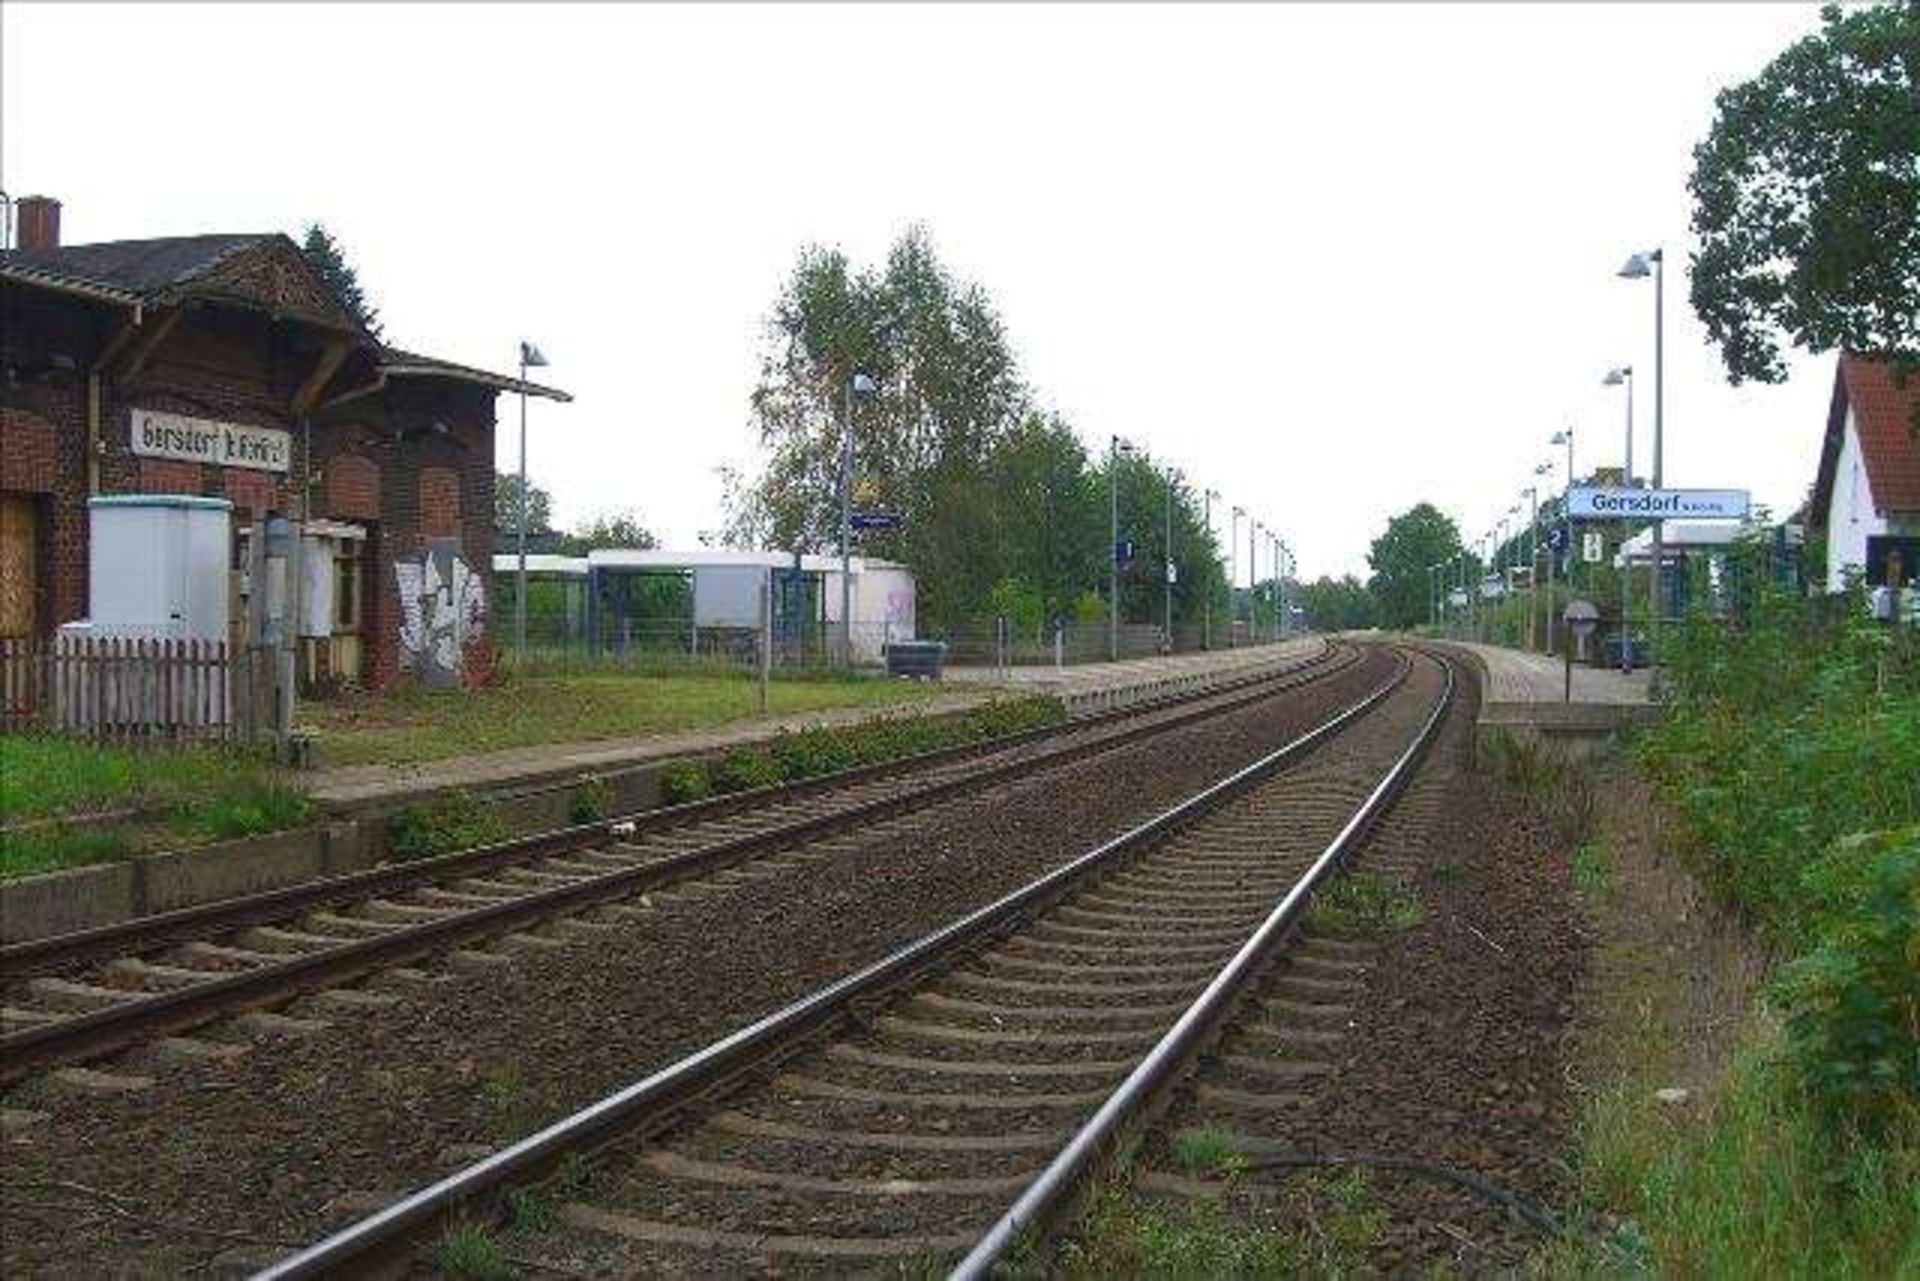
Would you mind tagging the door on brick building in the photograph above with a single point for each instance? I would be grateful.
(20, 569)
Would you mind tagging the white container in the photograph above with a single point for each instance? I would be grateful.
(157, 566)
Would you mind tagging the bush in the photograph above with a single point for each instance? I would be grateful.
(455, 821)
(592, 799)
(684, 782)
(1790, 751)
(744, 770)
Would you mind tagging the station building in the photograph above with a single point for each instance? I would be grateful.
(223, 368)
(1866, 495)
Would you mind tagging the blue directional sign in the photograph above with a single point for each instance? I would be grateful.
(1557, 538)
(1123, 552)
(875, 518)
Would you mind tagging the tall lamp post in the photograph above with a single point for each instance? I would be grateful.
(1206, 599)
(1622, 376)
(530, 358)
(1652, 262)
(1273, 551)
(1115, 448)
(858, 385)
(1233, 571)
(1253, 580)
(1166, 570)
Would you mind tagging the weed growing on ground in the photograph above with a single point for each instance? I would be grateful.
(1555, 787)
(470, 1253)
(684, 782)
(1365, 903)
(527, 1210)
(1590, 869)
(1207, 1151)
(592, 799)
(745, 770)
(453, 821)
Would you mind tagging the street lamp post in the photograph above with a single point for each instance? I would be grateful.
(1166, 570)
(530, 358)
(1206, 599)
(1233, 571)
(1253, 580)
(1533, 563)
(1653, 262)
(858, 385)
(1622, 376)
(1566, 525)
(1115, 447)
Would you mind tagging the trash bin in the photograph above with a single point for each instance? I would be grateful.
(920, 660)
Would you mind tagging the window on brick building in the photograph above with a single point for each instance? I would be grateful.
(348, 582)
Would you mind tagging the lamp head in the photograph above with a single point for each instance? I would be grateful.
(1617, 375)
(864, 385)
(531, 356)
(1562, 437)
(1639, 266)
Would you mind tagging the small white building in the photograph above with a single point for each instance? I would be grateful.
(725, 587)
(1866, 499)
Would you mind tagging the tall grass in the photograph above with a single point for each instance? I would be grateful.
(1791, 754)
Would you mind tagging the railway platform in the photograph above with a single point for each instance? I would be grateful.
(1525, 695)
(1092, 686)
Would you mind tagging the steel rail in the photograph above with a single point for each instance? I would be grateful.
(644, 1106)
(1084, 1152)
(37, 956)
(96, 1032)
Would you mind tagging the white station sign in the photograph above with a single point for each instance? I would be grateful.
(1616, 502)
(204, 440)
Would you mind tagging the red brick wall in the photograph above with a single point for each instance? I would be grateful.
(385, 467)
(351, 488)
(28, 449)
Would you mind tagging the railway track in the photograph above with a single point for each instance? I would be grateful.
(72, 999)
(951, 1097)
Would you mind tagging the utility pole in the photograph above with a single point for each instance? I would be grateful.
(1114, 447)
(861, 384)
(1206, 599)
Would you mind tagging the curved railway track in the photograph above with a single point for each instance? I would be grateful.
(74, 998)
(895, 1116)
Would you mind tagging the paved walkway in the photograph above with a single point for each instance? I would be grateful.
(1089, 677)
(1517, 676)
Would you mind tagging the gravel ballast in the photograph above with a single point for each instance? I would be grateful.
(219, 1160)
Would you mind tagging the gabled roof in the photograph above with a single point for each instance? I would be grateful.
(1884, 414)
(264, 270)
(145, 268)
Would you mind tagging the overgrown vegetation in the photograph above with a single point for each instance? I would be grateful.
(450, 821)
(470, 1253)
(1791, 755)
(823, 749)
(50, 786)
(1365, 903)
(1307, 1225)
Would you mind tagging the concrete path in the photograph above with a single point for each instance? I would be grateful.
(1089, 677)
(1517, 676)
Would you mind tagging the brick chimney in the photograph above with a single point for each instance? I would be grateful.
(37, 219)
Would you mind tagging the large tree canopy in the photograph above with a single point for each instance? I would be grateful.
(1003, 511)
(1807, 198)
(1402, 559)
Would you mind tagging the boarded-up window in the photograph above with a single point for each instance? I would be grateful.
(19, 565)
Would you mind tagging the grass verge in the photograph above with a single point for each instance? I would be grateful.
(418, 724)
(49, 786)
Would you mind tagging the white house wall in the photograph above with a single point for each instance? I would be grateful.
(1852, 517)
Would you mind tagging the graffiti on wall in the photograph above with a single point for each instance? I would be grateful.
(443, 606)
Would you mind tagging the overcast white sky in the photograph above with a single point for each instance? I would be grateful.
(1328, 261)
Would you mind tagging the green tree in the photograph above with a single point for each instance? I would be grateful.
(1338, 604)
(1806, 197)
(324, 252)
(506, 505)
(618, 529)
(1401, 559)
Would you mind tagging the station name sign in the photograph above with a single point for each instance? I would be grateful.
(204, 440)
(1616, 502)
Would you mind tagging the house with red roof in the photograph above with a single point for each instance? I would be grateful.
(1866, 500)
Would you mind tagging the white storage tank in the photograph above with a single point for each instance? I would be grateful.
(157, 566)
